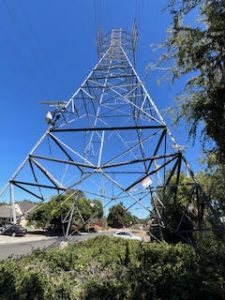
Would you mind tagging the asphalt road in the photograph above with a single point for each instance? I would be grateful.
(18, 249)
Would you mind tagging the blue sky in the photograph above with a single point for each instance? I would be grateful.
(47, 48)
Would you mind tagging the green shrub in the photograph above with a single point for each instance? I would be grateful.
(109, 268)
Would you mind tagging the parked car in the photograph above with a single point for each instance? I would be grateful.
(127, 235)
(15, 230)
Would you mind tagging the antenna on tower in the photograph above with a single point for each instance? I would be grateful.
(54, 115)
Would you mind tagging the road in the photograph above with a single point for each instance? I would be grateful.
(18, 249)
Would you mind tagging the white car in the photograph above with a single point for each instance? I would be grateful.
(127, 235)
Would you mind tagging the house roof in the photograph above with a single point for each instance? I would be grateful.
(6, 210)
(25, 206)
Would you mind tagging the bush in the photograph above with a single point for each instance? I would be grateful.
(109, 268)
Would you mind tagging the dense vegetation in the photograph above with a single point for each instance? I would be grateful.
(112, 268)
(197, 52)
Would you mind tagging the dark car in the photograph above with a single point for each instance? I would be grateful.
(15, 230)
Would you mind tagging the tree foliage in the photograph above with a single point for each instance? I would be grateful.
(212, 180)
(118, 216)
(51, 213)
(198, 52)
(183, 210)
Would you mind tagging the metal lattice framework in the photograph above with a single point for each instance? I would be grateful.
(110, 141)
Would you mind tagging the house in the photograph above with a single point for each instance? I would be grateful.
(5, 214)
(22, 208)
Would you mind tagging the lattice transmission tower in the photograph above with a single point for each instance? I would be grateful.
(110, 141)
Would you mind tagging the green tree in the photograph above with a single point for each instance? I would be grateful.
(181, 212)
(212, 180)
(52, 212)
(197, 51)
(89, 208)
(118, 216)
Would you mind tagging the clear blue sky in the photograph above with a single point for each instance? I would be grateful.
(47, 48)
